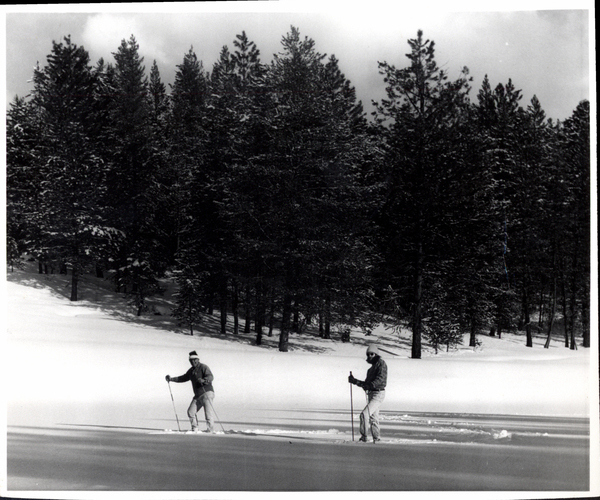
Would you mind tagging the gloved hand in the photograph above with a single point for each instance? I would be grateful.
(352, 380)
(168, 378)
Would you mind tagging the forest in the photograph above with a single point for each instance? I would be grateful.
(273, 200)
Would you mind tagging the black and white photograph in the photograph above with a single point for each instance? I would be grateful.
(271, 249)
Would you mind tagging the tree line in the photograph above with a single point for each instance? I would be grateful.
(267, 193)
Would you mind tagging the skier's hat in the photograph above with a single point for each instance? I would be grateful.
(194, 355)
(373, 349)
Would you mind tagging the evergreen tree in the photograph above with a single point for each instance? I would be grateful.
(67, 220)
(531, 235)
(23, 177)
(240, 103)
(188, 176)
(499, 118)
(573, 156)
(159, 102)
(518, 154)
(224, 137)
(421, 121)
(164, 216)
(316, 222)
(190, 301)
(142, 258)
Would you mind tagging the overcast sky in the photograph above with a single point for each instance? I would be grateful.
(544, 50)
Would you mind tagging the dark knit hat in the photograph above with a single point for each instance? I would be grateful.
(194, 355)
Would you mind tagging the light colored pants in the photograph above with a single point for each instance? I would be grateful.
(371, 413)
(204, 401)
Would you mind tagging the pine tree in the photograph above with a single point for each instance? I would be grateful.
(238, 105)
(159, 102)
(142, 258)
(23, 177)
(499, 118)
(518, 153)
(164, 216)
(190, 301)
(316, 219)
(573, 157)
(188, 174)
(68, 221)
(421, 121)
(224, 131)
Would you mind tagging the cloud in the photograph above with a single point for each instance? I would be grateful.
(103, 33)
(547, 51)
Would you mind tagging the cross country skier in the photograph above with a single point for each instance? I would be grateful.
(201, 378)
(374, 386)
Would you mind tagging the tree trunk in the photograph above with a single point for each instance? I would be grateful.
(563, 288)
(473, 336)
(573, 303)
(321, 324)
(296, 321)
(272, 314)
(553, 298)
(259, 333)
(223, 305)
(247, 310)
(261, 309)
(417, 311)
(74, 282)
(234, 308)
(327, 318)
(585, 322)
(99, 271)
(191, 316)
(526, 314)
(285, 323)
(260, 314)
(541, 305)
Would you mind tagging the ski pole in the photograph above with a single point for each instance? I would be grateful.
(173, 401)
(214, 411)
(369, 411)
(351, 410)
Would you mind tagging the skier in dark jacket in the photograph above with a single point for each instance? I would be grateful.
(374, 385)
(201, 378)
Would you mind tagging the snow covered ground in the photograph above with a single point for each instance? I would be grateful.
(88, 408)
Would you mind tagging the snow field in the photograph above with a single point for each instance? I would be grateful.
(76, 354)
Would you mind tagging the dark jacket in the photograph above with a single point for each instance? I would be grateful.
(376, 376)
(201, 378)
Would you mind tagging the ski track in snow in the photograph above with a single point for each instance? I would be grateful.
(458, 432)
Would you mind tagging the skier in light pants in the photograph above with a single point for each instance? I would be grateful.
(201, 378)
(374, 385)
